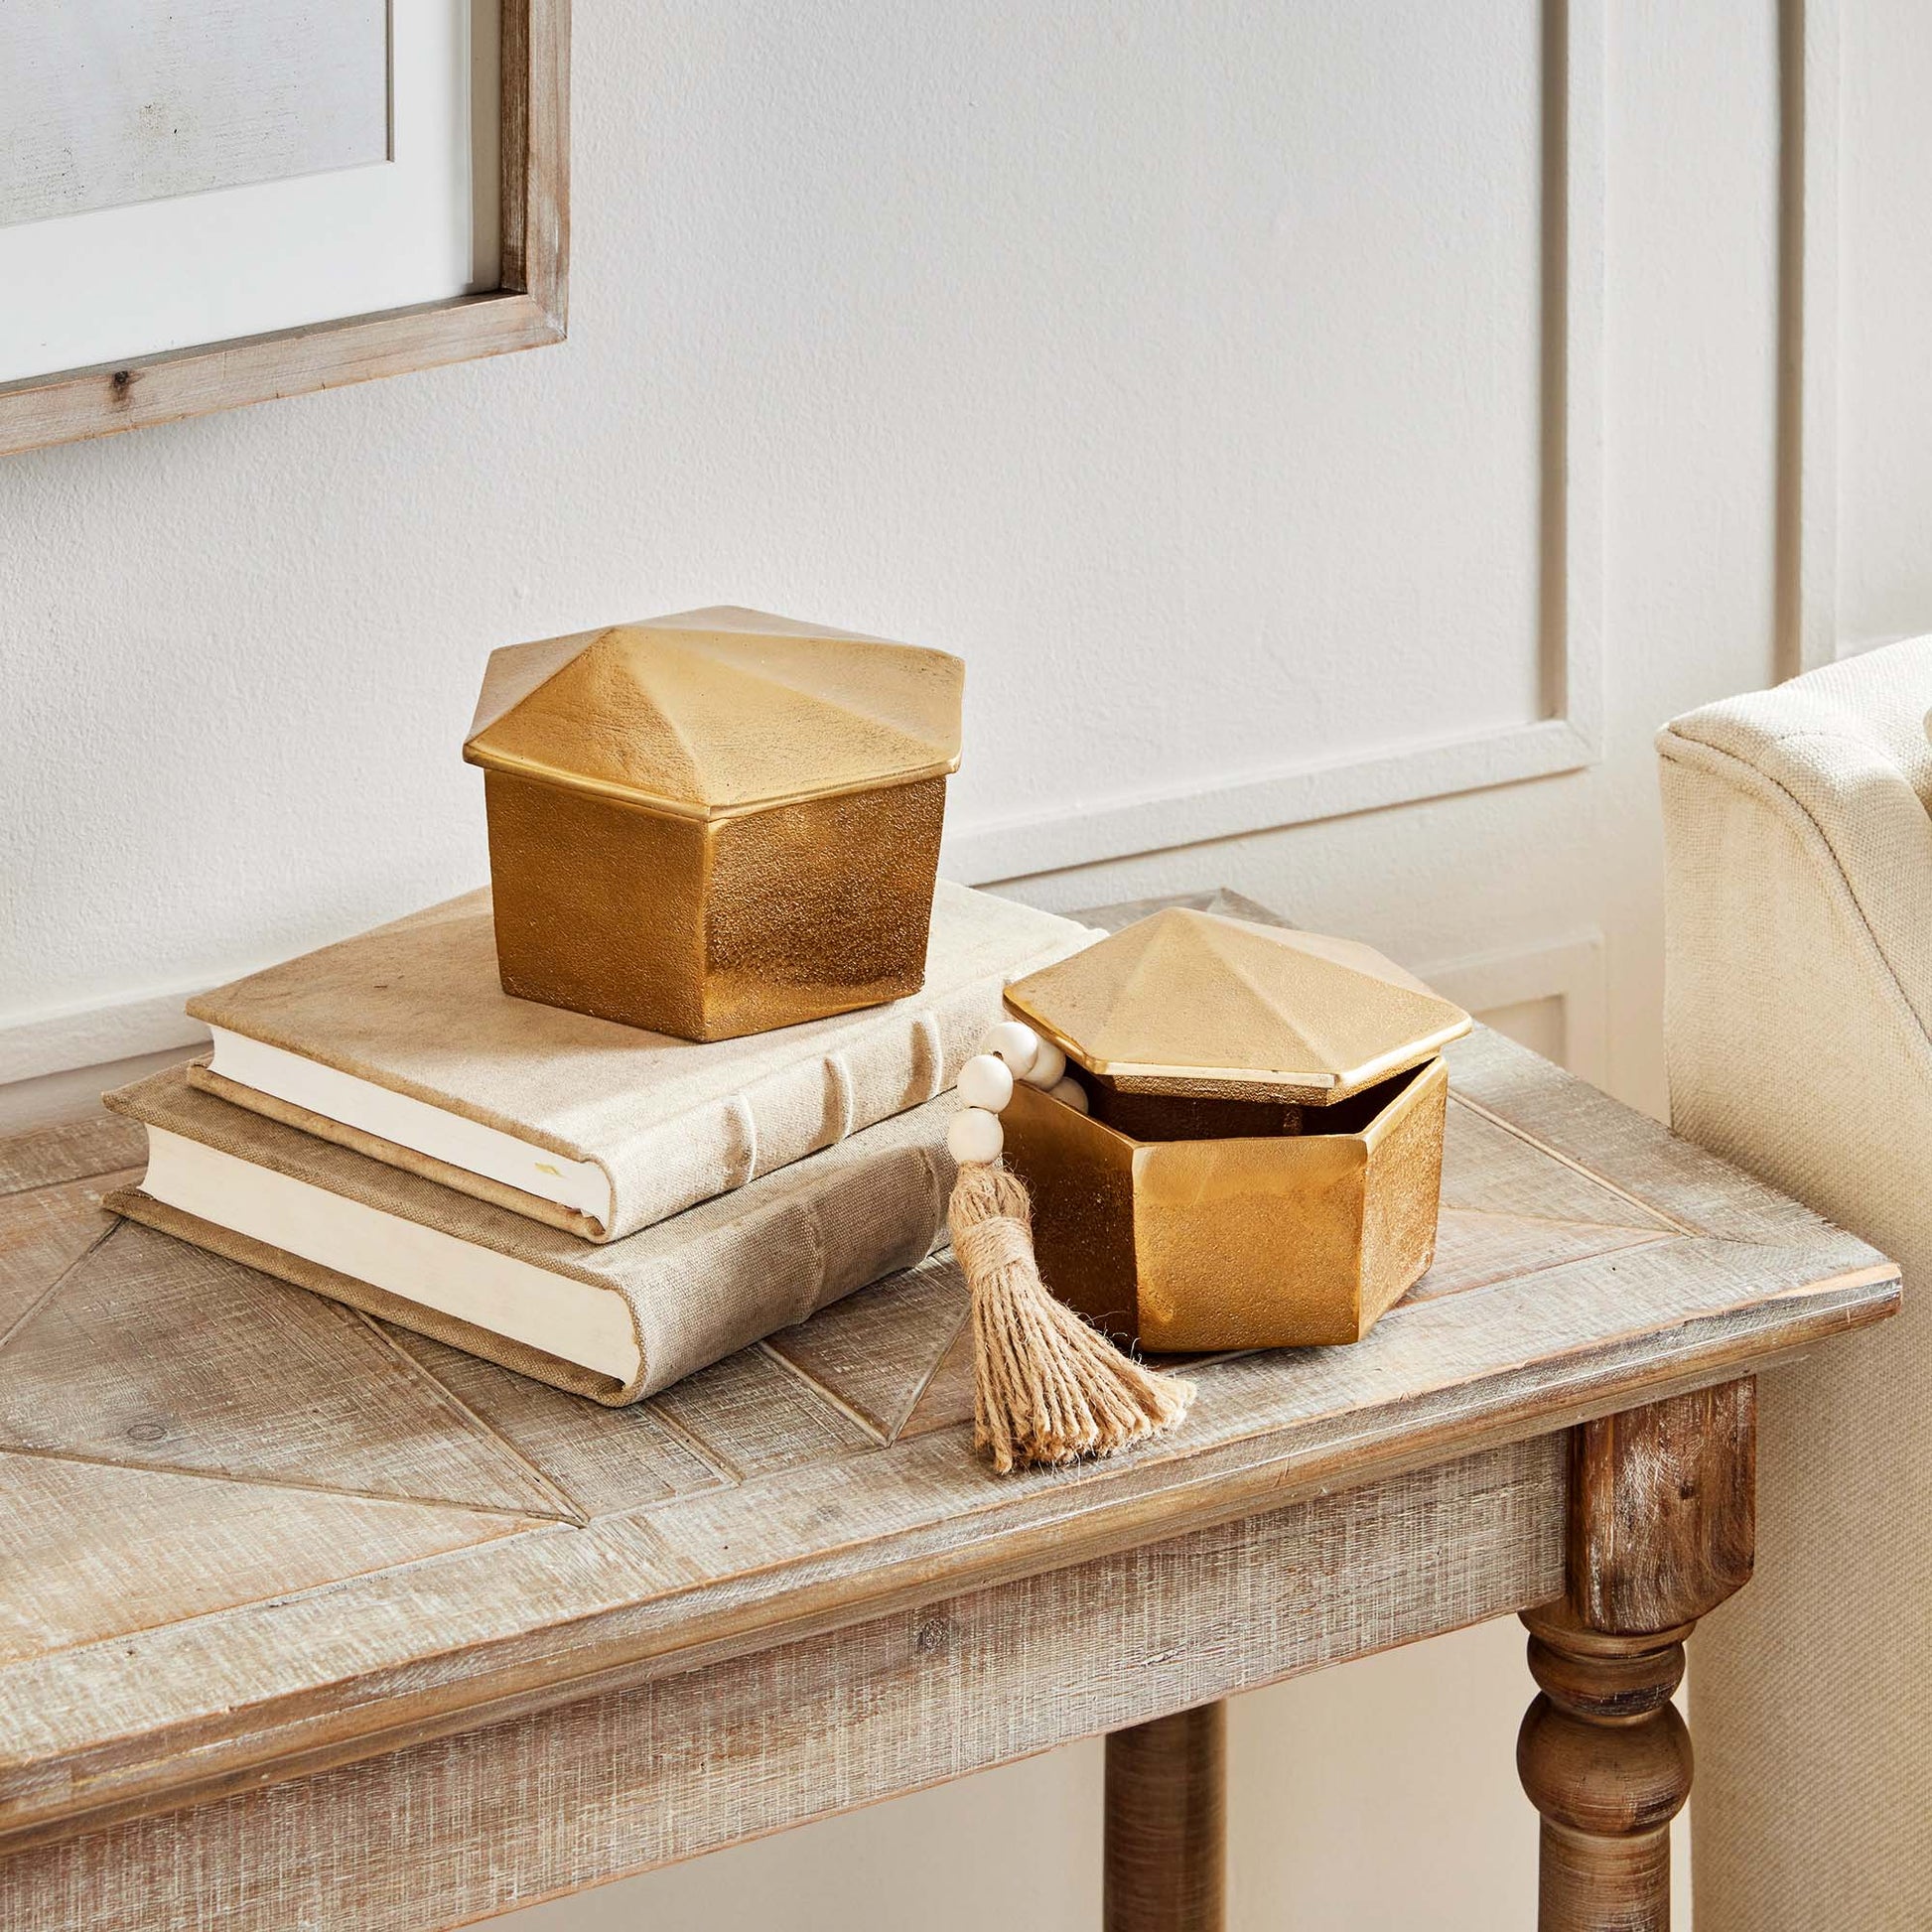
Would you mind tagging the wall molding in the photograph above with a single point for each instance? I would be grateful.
(1569, 735)
(92, 1033)
(1570, 970)
(100, 1031)
(1809, 122)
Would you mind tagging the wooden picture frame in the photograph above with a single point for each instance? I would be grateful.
(525, 309)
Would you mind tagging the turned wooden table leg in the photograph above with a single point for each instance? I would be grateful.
(1662, 1508)
(1166, 1824)
(1607, 1760)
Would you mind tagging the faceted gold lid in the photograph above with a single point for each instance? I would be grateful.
(1190, 1002)
(713, 713)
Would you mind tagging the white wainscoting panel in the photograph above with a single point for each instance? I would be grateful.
(1874, 276)
(1563, 726)
(1567, 971)
(1810, 110)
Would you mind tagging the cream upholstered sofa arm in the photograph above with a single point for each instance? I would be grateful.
(1798, 1022)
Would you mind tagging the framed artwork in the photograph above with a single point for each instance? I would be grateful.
(214, 204)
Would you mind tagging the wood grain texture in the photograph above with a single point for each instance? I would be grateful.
(527, 311)
(76, 1150)
(949, 1393)
(1474, 1246)
(441, 1833)
(1660, 1529)
(1607, 1760)
(118, 1552)
(599, 1460)
(1663, 1509)
(752, 1416)
(1165, 1845)
(876, 1353)
(536, 150)
(803, 1544)
(141, 1356)
(569, 1567)
(44, 1231)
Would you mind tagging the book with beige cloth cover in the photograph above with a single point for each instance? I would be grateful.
(402, 1045)
(615, 1320)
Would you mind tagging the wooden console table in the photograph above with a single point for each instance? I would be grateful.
(308, 1622)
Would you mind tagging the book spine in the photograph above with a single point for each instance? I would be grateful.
(801, 1249)
(912, 1056)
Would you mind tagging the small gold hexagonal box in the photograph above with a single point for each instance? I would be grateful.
(1259, 1163)
(714, 823)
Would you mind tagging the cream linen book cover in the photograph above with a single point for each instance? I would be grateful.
(401, 1045)
(616, 1322)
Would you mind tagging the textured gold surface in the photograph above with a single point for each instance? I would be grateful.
(1081, 1174)
(1192, 1003)
(712, 928)
(1264, 1241)
(715, 713)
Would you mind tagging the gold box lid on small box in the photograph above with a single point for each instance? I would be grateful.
(714, 713)
(1193, 1004)
(1255, 1157)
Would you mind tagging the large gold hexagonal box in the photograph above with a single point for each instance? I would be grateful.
(714, 823)
(1259, 1163)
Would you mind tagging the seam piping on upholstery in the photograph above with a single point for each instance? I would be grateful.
(1761, 788)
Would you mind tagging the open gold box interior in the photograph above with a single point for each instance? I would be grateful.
(716, 823)
(1261, 1163)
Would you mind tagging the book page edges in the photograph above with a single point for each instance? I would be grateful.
(259, 1006)
(395, 1154)
(370, 1300)
(582, 1322)
(449, 1135)
(699, 1285)
(902, 1059)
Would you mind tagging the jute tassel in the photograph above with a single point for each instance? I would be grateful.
(1047, 1388)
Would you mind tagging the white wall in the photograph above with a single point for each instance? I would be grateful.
(1207, 377)
(1875, 483)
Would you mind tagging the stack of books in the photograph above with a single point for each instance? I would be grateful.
(604, 1208)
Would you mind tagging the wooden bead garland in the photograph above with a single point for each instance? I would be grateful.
(1010, 1051)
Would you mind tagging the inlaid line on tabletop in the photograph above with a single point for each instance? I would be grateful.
(830, 1398)
(289, 1483)
(66, 1654)
(728, 1475)
(1574, 1166)
(46, 1294)
(938, 1362)
(1653, 1231)
(1420, 1293)
(570, 1511)
(751, 1415)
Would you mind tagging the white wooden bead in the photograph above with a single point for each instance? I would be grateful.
(975, 1135)
(1016, 1044)
(1071, 1093)
(1050, 1065)
(986, 1081)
